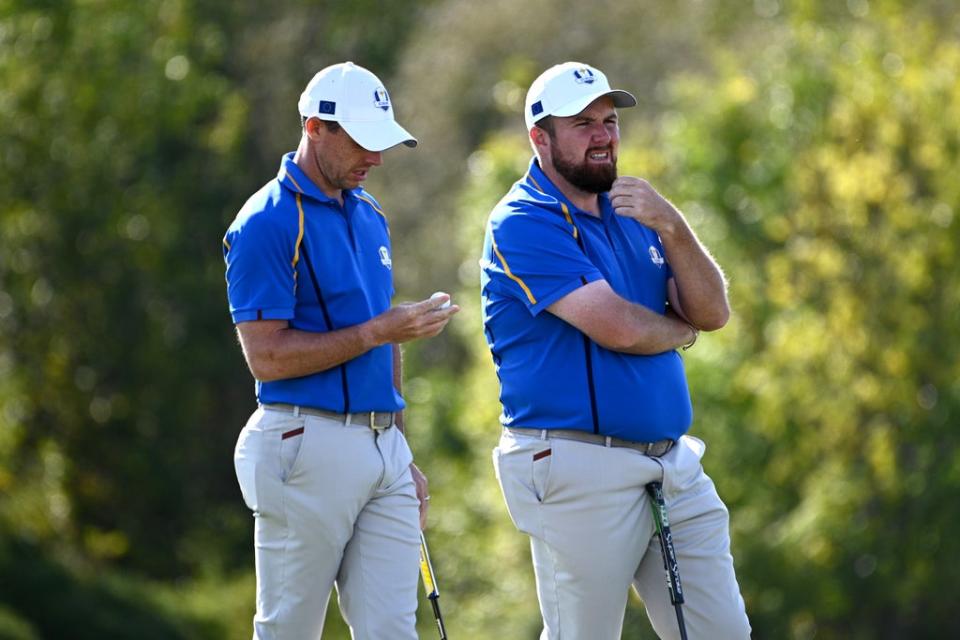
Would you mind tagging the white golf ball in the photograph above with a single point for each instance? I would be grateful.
(437, 295)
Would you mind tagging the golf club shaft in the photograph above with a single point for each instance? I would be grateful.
(430, 585)
(669, 554)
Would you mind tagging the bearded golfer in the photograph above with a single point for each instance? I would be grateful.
(590, 284)
(323, 462)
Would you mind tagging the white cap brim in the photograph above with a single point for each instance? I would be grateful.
(621, 99)
(378, 136)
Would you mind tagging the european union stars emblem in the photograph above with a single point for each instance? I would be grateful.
(381, 99)
(584, 75)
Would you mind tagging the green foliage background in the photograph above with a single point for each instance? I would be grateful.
(813, 145)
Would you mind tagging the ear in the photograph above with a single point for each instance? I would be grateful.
(313, 128)
(539, 137)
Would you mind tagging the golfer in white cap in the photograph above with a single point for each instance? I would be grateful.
(590, 285)
(323, 462)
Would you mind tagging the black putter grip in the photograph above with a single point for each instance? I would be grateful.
(434, 601)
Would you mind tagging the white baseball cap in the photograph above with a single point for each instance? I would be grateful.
(354, 97)
(567, 89)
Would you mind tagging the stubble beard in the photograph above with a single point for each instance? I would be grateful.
(335, 176)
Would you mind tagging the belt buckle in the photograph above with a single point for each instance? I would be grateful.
(373, 422)
(659, 448)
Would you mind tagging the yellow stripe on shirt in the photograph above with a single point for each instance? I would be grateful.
(373, 204)
(566, 211)
(506, 269)
(293, 180)
(296, 247)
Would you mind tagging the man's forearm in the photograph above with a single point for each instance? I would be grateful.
(701, 286)
(291, 353)
(274, 351)
(617, 324)
(654, 333)
(703, 293)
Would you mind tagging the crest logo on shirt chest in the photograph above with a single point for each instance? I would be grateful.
(655, 256)
(385, 257)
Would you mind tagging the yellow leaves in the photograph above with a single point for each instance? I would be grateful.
(829, 497)
(931, 155)
(910, 264)
(820, 257)
(863, 177)
(894, 361)
(780, 290)
(642, 160)
(777, 227)
(799, 336)
(38, 505)
(105, 545)
(880, 448)
(795, 276)
(11, 434)
(228, 130)
(867, 390)
(740, 89)
(890, 133)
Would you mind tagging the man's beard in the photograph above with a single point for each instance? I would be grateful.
(585, 176)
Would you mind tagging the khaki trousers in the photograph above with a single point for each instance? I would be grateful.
(334, 505)
(591, 531)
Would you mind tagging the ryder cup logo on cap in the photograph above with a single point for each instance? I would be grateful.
(584, 75)
(567, 89)
(354, 97)
(381, 99)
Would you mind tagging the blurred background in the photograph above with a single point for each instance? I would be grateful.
(814, 145)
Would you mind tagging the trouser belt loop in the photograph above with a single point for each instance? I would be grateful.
(296, 411)
(543, 434)
(607, 442)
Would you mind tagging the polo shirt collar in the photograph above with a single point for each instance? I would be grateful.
(294, 179)
(537, 179)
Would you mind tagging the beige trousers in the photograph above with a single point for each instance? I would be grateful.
(591, 531)
(334, 505)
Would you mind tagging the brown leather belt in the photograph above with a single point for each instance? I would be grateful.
(652, 449)
(372, 419)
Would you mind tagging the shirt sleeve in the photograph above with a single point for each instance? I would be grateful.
(536, 259)
(260, 255)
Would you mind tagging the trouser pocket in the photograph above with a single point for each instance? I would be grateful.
(268, 453)
(541, 462)
(524, 481)
(291, 446)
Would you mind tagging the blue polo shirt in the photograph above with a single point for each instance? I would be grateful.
(538, 248)
(295, 254)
